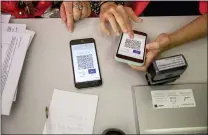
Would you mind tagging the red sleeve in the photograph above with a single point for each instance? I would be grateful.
(139, 7)
(203, 7)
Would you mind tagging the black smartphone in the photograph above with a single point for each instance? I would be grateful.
(85, 63)
(132, 51)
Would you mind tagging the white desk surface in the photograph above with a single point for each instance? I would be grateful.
(48, 66)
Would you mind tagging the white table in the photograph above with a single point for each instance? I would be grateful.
(48, 66)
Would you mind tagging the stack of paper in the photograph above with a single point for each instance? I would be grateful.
(71, 113)
(15, 42)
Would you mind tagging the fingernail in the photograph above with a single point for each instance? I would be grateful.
(70, 30)
(131, 36)
(139, 20)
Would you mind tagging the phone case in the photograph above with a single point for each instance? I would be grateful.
(129, 62)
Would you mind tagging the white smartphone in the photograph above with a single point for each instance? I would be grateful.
(132, 51)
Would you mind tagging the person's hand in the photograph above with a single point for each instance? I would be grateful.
(74, 11)
(119, 18)
(153, 49)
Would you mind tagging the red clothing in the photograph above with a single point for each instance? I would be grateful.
(11, 7)
(139, 7)
(203, 7)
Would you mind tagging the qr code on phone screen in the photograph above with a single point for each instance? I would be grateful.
(85, 61)
(133, 44)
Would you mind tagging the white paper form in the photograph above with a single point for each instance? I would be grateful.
(5, 18)
(14, 48)
(173, 98)
(11, 27)
(71, 113)
(32, 34)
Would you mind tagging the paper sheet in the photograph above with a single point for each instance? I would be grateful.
(15, 95)
(14, 48)
(173, 98)
(5, 18)
(71, 113)
(32, 34)
(11, 27)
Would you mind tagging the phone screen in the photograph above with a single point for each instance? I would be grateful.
(85, 62)
(133, 48)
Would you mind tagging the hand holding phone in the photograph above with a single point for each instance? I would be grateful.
(132, 51)
(85, 63)
(153, 49)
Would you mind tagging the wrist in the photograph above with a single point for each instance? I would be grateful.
(165, 43)
(171, 40)
(106, 4)
(96, 6)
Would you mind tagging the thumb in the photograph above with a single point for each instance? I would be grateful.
(153, 46)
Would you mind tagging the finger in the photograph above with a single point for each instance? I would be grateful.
(76, 12)
(129, 28)
(127, 21)
(69, 15)
(149, 58)
(63, 13)
(138, 68)
(88, 9)
(113, 23)
(130, 32)
(84, 11)
(132, 15)
(120, 20)
(103, 27)
(152, 46)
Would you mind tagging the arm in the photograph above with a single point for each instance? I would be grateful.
(194, 30)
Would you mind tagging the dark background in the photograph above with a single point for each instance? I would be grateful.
(171, 8)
